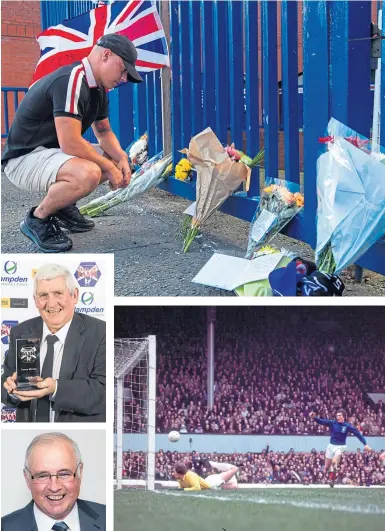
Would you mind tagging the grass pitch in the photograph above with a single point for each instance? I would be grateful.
(249, 510)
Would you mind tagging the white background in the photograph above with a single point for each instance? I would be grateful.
(27, 264)
(14, 442)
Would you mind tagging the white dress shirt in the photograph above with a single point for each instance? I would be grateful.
(57, 356)
(45, 523)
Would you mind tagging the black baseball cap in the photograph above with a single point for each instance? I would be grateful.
(123, 47)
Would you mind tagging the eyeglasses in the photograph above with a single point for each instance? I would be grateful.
(63, 477)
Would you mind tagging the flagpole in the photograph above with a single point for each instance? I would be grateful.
(377, 99)
(165, 77)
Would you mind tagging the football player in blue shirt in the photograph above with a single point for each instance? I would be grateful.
(339, 430)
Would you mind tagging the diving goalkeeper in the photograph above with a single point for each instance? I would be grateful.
(190, 481)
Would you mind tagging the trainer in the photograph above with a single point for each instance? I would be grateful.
(45, 150)
(53, 470)
(72, 387)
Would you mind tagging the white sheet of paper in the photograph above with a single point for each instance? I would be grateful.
(190, 210)
(262, 224)
(229, 272)
(259, 268)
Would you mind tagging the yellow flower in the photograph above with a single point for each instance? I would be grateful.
(180, 174)
(183, 169)
(299, 200)
(185, 165)
(266, 249)
(270, 189)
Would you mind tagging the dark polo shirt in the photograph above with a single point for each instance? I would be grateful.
(68, 91)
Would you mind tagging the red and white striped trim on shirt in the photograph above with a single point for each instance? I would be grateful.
(90, 78)
(73, 89)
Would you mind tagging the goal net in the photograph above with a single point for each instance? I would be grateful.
(134, 422)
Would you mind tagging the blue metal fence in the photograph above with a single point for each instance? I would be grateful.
(224, 58)
(238, 44)
(17, 93)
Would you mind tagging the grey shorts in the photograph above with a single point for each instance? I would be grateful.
(37, 170)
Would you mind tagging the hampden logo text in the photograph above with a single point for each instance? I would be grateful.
(10, 270)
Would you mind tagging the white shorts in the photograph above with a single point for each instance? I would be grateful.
(232, 481)
(215, 481)
(334, 449)
(37, 170)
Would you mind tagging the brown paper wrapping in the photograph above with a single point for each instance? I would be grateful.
(217, 175)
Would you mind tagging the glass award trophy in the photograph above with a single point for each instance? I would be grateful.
(27, 363)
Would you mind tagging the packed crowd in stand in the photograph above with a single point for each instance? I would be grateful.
(357, 468)
(271, 369)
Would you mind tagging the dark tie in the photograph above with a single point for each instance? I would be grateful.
(43, 405)
(59, 526)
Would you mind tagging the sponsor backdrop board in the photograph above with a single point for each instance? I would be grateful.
(91, 272)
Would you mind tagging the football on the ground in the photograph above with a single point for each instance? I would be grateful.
(174, 436)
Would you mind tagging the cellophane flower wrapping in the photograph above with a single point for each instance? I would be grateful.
(351, 199)
(137, 151)
(148, 176)
(280, 201)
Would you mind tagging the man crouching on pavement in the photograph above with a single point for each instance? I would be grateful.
(45, 150)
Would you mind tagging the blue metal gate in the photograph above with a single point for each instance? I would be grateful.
(226, 73)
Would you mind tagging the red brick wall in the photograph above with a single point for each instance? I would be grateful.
(281, 149)
(20, 25)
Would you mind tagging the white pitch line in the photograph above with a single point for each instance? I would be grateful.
(356, 509)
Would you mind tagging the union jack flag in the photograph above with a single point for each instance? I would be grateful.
(73, 39)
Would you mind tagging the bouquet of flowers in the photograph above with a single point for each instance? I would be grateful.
(351, 200)
(154, 173)
(217, 178)
(138, 151)
(280, 202)
(239, 156)
(183, 170)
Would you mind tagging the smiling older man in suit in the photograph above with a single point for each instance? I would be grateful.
(53, 471)
(72, 387)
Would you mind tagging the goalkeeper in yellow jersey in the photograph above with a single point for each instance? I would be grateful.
(190, 481)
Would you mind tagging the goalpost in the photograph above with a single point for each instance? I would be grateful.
(135, 381)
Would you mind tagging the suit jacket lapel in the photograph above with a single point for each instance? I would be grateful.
(88, 517)
(72, 348)
(27, 518)
(35, 330)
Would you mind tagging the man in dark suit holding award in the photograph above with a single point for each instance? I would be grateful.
(53, 470)
(72, 351)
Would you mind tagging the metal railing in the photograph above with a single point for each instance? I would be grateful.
(224, 59)
(5, 91)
